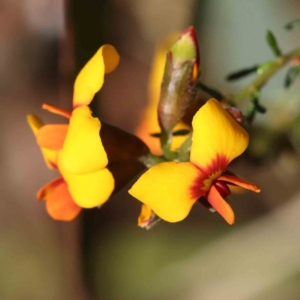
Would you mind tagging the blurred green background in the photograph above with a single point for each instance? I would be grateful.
(103, 254)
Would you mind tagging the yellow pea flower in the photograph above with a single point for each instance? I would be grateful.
(75, 149)
(170, 189)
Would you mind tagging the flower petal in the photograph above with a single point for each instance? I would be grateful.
(240, 182)
(90, 79)
(220, 205)
(56, 110)
(145, 216)
(59, 203)
(167, 189)
(52, 136)
(48, 188)
(217, 138)
(50, 156)
(83, 151)
(89, 190)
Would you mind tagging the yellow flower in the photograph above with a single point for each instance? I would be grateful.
(75, 149)
(170, 189)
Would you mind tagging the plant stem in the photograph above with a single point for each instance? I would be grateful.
(184, 150)
(262, 79)
(165, 141)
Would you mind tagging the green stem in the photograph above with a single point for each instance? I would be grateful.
(184, 150)
(165, 141)
(275, 65)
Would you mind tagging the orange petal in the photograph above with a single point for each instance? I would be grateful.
(217, 138)
(240, 182)
(83, 151)
(91, 78)
(145, 216)
(48, 188)
(56, 110)
(220, 205)
(52, 136)
(59, 203)
(50, 156)
(167, 188)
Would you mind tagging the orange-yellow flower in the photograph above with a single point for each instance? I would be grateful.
(75, 149)
(170, 189)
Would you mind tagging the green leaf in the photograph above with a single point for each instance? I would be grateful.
(255, 107)
(211, 91)
(261, 109)
(273, 43)
(293, 24)
(242, 73)
(291, 75)
(266, 66)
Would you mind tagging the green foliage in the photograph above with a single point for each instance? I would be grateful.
(271, 40)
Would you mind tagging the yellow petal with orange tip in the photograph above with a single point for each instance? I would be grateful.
(167, 188)
(59, 203)
(89, 190)
(220, 205)
(229, 179)
(217, 138)
(91, 78)
(83, 151)
(50, 156)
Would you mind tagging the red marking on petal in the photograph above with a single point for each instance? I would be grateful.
(219, 164)
(198, 185)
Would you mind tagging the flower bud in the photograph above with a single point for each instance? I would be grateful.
(181, 71)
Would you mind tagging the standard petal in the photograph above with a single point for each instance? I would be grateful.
(217, 138)
(59, 203)
(220, 205)
(52, 136)
(50, 156)
(90, 79)
(167, 188)
(83, 151)
(56, 110)
(240, 182)
(89, 190)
